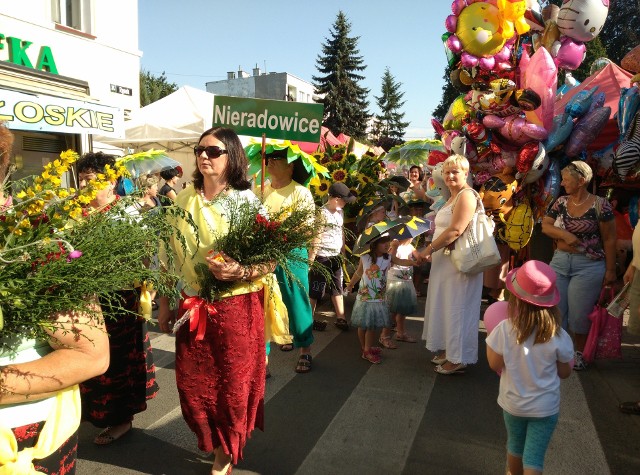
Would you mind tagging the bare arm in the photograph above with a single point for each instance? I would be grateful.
(81, 351)
(557, 233)
(357, 275)
(463, 211)
(172, 195)
(496, 360)
(564, 370)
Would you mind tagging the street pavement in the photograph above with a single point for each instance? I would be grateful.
(399, 417)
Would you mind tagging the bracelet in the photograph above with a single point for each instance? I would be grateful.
(246, 273)
(433, 249)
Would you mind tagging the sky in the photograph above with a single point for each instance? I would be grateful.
(197, 41)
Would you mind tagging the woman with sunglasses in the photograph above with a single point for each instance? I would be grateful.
(220, 369)
(583, 228)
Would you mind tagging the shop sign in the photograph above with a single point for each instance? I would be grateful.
(53, 114)
(17, 51)
(276, 119)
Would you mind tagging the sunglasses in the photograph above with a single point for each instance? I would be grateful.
(213, 151)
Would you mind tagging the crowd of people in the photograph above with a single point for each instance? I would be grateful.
(222, 353)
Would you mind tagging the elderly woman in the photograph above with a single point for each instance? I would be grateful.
(220, 370)
(584, 231)
(452, 311)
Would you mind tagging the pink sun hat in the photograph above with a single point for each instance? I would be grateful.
(535, 283)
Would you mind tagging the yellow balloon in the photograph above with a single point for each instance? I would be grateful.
(478, 29)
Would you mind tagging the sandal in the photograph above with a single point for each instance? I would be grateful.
(630, 407)
(405, 337)
(286, 347)
(304, 364)
(387, 343)
(459, 368)
(376, 350)
(371, 357)
(106, 437)
(342, 324)
(439, 359)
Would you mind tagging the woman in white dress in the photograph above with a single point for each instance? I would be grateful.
(452, 311)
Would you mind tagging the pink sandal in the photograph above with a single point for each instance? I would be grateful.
(371, 357)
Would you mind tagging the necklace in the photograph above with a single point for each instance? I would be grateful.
(216, 197)
(582, 202)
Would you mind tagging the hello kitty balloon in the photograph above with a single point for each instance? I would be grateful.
(582, 20)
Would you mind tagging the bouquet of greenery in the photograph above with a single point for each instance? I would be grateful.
(57, 256)
(255, 238)
(360, 174)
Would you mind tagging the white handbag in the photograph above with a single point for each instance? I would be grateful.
(475, 250)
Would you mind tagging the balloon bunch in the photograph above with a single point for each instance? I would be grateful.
(505, 56)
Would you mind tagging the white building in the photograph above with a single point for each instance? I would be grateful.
(260, 85)
(69, 69)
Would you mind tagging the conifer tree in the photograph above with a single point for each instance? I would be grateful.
(449, 94)
(345, 100)
(390, 126)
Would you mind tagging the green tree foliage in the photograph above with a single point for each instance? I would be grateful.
(153, 87)
(449, 94)
(345, 101)
(621, 32)
(391, 127)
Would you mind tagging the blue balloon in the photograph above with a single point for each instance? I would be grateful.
(560, 131)
(627, 108)
(579, 104)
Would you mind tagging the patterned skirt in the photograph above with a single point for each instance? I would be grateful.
(123, 390)
(61, 462)
(221, 378)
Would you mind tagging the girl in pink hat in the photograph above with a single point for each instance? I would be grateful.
(533, 352)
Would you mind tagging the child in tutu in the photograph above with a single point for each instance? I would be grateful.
(370, 311)
(533, 352)
(401, 294)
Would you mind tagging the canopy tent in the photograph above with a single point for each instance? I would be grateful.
(609, 80)
(173, 123)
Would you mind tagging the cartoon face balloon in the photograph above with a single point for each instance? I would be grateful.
(497, 195)
(582, 20)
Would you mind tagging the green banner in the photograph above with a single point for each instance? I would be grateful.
(276, 119)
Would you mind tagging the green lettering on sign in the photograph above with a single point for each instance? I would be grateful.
(18, 51)
(276, 119)
(46, 61)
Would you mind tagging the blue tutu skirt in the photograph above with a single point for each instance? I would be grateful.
(401, 297)
(370, 315)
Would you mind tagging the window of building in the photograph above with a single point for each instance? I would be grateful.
(75, 14)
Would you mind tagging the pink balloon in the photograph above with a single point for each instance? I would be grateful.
(570, 54)
(453, 43)
(468, 60)
(451, 23)
(494, 314)
(487, 64)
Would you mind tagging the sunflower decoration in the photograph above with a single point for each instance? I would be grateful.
(339, 174)
(319, 188)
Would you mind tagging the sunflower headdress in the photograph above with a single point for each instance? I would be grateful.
(305, 166)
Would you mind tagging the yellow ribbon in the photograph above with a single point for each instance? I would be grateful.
(145, 305)
(276, 317)
(62, 423)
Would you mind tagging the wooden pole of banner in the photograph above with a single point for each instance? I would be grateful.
(264, 144)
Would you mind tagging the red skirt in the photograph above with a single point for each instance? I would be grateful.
(221, 378)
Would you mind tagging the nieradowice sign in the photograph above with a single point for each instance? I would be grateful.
(276, 119)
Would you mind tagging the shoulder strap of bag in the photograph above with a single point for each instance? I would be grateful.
(478, 201)
(598, 207)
